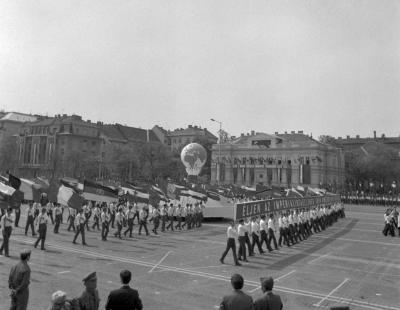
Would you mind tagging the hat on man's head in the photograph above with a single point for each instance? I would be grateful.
(90, 277)
(58, 297)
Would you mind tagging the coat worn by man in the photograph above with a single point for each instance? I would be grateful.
(237, 301)
(124, 298)
(89, 299)
(18, 282)
(269, 301)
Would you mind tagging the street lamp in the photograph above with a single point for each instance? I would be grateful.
(219, 149)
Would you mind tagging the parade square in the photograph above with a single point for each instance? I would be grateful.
(349, 263)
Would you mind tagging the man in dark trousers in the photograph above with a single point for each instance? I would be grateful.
(231, 244)
(269, 301)
(6, 229)
(30, 219)
(18, 282)
(42, 224)
(80, 227)
(237, 300)
(124, 298)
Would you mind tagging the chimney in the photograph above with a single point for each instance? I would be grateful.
(242, 134)
(285, 132)
(292, 132)
(252, 132)
(383, 136)
(300, 132)
(374, 134)
(276, 133)
(347, 137)
(358, 136)
(195, 127)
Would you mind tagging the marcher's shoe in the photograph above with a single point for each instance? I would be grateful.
(238, 264)
(72, 242)
(239, 258)
(245, 260)
(221, 260)
(84, 243)
(43, 249)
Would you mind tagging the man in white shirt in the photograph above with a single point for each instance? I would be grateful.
(271, 231)
(30, 219)
(80, 226)
(143, 215)
(230, 244)
(104, 218)
(96, 217)
(6, 229)
(242, 241)
(42, 221)
(255, 233)
(130, 214)
(57, 217)
(263, 233)
(71, 219)
(119, 218)
(247, 225)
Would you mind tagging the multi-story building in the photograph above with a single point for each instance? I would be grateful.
(11, 123)
(284, 160)
(180, 137)
(48, 143)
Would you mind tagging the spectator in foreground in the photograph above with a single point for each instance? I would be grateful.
(89, 300)
(269, 301)
(59, 301)
(237, 300)
(124, 298)
(18, 282)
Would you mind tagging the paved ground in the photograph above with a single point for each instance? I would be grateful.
(351, 262)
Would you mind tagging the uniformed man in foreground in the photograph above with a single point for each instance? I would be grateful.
(18, 282)
(89, 300)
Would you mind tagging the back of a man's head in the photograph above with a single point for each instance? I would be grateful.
(237, 281)
(267, 284)
(125, 276)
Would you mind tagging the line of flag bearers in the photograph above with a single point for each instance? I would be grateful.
(293, 226)
(118, 216)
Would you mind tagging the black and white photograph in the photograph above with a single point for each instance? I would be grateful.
(199, 154)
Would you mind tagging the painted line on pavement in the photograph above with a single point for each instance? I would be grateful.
(276, 280)
(333, 291)
(159, 262)
(363, 241)
(62, 272)
(315, 295)
(318, 258)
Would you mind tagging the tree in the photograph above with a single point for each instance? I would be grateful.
(373, 163)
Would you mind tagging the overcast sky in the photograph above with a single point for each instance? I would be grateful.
(325, 67)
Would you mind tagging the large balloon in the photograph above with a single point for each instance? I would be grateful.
(194, 157)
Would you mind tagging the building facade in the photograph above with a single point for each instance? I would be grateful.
(284, 160)
(11, 123)
(180, 137)
(53, 142)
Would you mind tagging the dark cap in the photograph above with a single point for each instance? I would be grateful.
(90, 277)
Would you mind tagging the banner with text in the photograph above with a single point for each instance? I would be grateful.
(259, 207)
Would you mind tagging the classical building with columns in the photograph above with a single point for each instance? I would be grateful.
(285, 160)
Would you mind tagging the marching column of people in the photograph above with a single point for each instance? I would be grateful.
(293, 226)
